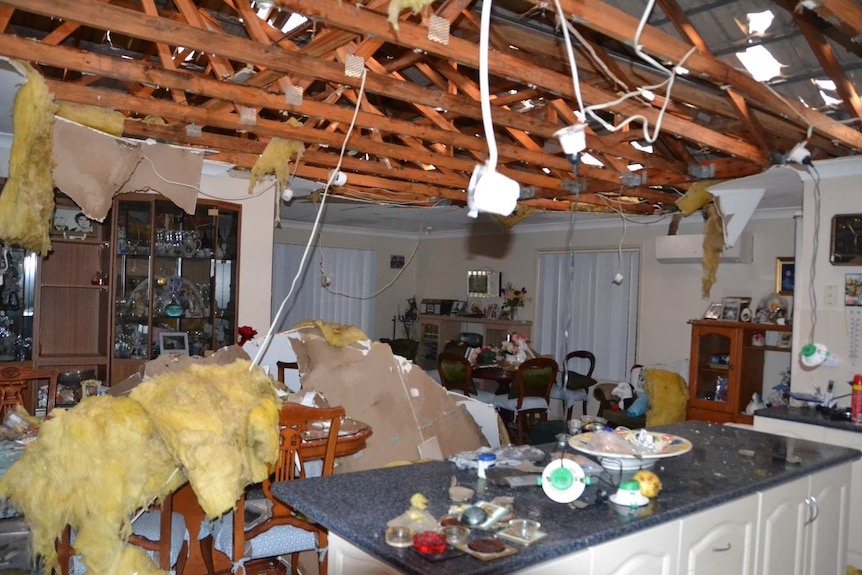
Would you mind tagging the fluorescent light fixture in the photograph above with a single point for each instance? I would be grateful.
(760, 63)
(759, 22)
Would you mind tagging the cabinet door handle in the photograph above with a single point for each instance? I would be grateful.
(815, 509)
(722, 549)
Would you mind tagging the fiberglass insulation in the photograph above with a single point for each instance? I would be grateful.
(96, 464)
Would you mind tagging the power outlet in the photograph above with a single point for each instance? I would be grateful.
(831, 296)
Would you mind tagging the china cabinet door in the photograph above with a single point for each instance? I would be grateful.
(176, 279)
(17, 298)
(714, 376)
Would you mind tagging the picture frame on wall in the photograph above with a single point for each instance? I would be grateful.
(785, 275)
(174, 342)
(71, 220)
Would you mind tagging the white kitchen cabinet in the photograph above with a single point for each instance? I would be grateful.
(579, 563)
(780, 532)
(829, 498)
(854, 529)
(347, 559)
(721, 540)
(830, 436)
(654, 551)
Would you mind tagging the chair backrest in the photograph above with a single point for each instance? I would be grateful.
(15, 379)
(296, 422)
(471, 339)
(456, 373)
(162, 545)
(534, 378)
(578, 377)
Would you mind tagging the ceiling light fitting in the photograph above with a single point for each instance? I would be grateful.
(491, 192)
(337, 178)
(573, 140)
(265, 5)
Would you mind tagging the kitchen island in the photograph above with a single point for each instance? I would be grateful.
(718, 502)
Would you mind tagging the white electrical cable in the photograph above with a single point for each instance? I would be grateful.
(641, 25)
(313, 235)
(484, 89)
(572, 64)
(592, 51)
(812, 294)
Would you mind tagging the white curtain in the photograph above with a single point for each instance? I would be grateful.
(352, 278)
(581, 308)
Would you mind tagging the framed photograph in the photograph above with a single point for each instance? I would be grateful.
(730, 307)
(785, 275)
(70, 219)
(176, 342)
(785, 339)
(458, 308)
(713, 311)
(483, 283)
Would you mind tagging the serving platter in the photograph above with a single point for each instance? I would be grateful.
(626, 453)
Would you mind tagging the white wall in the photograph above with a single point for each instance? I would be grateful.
(839, 195)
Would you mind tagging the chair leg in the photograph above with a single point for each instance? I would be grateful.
(585, 405)
(206, 546)
(294, 563)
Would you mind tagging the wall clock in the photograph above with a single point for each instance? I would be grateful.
(846, 240)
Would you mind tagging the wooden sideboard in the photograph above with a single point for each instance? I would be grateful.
(436, 330)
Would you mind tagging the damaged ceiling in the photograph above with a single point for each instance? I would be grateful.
(226, 75)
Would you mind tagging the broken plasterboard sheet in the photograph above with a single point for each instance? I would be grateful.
(91, 179)
(171, 171)
(404, 407)
(174, 362)
(278, 349)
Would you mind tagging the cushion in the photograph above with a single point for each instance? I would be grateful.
(668, 397)
(576, 380)
(536, 379)
(456, 372)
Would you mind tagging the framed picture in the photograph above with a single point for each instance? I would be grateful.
(72, 219)
(785, 275)
(483, 283)
(176, 342)
(713, 311)
(730, 307)
(458, 308)
(785, 339)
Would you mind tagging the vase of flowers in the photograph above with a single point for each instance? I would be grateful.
(513, 299)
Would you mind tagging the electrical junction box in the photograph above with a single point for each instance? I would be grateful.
(688, 249)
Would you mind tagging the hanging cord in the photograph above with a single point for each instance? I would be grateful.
(572, 63)
(484, 89)
(313, 235)
(812, 295)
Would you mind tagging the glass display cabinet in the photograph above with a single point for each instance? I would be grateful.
(17, 300)
(175, 279)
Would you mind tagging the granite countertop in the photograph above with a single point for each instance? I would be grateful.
(809, 415)
(357, 505)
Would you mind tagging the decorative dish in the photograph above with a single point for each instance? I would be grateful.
(625, 450)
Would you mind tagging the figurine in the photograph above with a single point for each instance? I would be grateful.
(754, 404)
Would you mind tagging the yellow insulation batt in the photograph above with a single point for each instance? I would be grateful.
(102, 119)
(96, 464)
(27, 201)
(713, 246)
(335, 334)
(275, 159)
(220, 422)
(92, 467)
(396, 6)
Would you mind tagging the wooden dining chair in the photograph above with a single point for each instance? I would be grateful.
(159, 531)
(14, 382)
(576, 380)
(284, 365)
(530, 394)
(456, 373)
(258, 545)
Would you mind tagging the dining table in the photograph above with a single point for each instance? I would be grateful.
(503, 374)
(352, 438)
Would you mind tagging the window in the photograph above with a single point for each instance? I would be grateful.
(351, 274)
(580, 308)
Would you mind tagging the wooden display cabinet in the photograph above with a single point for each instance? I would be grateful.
(173, 273)
(727, 360)
(72, 301)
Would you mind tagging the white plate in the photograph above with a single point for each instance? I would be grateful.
(666, 445)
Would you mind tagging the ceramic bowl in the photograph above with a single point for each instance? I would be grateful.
(524, 528)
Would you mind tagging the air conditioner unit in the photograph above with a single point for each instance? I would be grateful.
(688, 249)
